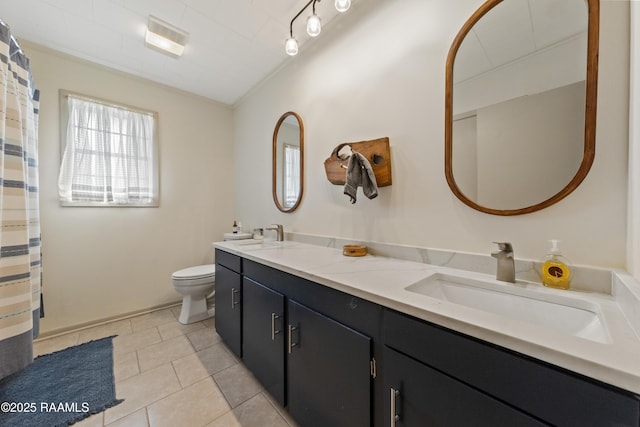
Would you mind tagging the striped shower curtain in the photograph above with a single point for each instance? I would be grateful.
(19, 212)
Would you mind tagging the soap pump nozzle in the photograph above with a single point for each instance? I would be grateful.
(554, 247)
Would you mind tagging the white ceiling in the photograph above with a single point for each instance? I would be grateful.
(233, 44)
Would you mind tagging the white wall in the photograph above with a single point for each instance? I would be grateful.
(633, 246)
(464, 157)
(104, 262)
(530, 147)
(379, 71)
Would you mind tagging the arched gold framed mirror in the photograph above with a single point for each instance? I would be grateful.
(288, 162)
(520, 104)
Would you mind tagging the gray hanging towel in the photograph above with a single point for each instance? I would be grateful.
(360, 173)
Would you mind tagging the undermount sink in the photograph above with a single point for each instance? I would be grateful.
(560, 313)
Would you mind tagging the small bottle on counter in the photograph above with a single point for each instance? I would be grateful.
(235, 227)
(556, 270)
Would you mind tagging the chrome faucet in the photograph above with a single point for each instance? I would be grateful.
(506, 267)
(279, 229)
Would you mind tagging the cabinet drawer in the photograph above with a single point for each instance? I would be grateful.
(550, 393)
(359, 314)
(232, 262)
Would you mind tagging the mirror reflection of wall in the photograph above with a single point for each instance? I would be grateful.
(287, 161)
(533, 143)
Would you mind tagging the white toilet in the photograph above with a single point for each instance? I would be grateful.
(196, 284)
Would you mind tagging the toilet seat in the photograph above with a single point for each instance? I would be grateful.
(197, 272)
(194, 276)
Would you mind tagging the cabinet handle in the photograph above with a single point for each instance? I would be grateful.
(273, 326)
(291, 343)
(394, 415)
(234, 291)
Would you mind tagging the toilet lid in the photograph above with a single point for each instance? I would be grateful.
(196, 272)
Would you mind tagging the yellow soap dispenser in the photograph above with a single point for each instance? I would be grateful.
(556, 270)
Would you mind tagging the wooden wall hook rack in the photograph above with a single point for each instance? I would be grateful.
(375, 150)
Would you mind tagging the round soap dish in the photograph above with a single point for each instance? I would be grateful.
(354, 250)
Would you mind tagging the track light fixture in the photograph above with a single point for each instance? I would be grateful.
(314, 23)
(342, 5)
(314, 26)
(291, 46)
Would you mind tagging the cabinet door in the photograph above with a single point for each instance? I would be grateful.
(329, 382)
(420, 396)
(229, 308)
(263, 337)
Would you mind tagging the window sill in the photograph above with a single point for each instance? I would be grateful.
(155, 204)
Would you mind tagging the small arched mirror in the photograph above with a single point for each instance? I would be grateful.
(288, 162)
(521, 83)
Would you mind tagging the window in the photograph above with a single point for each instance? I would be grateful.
(291, 175)
(109, 154)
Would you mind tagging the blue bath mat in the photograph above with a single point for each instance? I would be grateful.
(60, 388)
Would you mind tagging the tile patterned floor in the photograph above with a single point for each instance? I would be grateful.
(175, 375)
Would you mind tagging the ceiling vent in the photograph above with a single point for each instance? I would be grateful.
(165, 37)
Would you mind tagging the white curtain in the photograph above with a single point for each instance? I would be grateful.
(108, 157)
(633, 226)
(291, 175)
(19, 211)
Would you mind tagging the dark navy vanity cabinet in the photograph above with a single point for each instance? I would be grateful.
(310, 346)
(493, 383)
(336, 360)
(228, 300)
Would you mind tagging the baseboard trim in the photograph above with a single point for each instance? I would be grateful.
(76, 328)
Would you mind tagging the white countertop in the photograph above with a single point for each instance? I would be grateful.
(383, 281)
